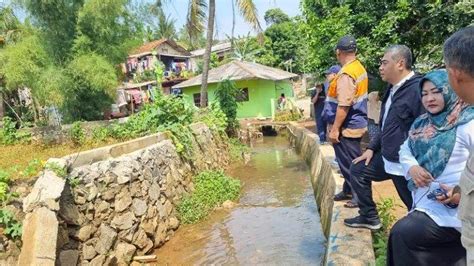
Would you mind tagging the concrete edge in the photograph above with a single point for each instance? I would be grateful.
(115, 150)
(347, 246)
(99, 154)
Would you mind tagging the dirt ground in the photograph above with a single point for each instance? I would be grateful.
(380, 190)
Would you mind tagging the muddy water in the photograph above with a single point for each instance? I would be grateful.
(275, 222)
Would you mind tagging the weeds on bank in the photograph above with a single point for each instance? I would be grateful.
(237, 149)
(11, 227)
(212, 188)
(385, 209)
(288, 115)
(10, 135)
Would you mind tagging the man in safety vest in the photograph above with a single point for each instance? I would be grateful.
(346, 112)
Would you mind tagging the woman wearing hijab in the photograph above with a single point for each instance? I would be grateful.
(433, 158)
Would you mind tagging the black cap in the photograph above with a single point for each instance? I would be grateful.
(347, 43)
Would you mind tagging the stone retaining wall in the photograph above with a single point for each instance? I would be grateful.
(346, 246)
(121, 201)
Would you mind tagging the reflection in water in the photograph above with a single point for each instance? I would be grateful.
(276, 221)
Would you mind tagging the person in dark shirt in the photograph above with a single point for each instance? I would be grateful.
(401, 105)
(317, 98)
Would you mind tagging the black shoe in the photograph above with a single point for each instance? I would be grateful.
(362, 222)
(342, 196)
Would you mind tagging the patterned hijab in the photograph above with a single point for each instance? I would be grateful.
(432, 136)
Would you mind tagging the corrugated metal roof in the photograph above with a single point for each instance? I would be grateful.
(239, 70)
(128, 86)
(226, 46)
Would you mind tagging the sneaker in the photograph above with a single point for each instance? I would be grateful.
(362, 222)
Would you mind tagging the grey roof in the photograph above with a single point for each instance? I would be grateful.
(220, 47)
(239, 70)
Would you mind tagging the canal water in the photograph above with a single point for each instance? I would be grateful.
(275, 222)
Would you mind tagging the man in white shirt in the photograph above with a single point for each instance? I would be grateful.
(458, 53)
(401, 105)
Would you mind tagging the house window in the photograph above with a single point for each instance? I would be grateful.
(243, 96)
(197, 99)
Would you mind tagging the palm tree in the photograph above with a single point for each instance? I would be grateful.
(166, 27)
(196, 17)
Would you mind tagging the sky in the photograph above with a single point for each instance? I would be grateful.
(177, 9)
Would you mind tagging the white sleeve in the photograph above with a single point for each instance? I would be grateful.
(465, 133)
(407, 160)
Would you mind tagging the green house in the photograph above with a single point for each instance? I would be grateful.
(261, 87)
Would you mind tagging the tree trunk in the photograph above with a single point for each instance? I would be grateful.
(233, 25)
(207, 54)
(2, 110)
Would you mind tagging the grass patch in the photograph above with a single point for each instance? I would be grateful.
(237, 149)
(212, 188)
(385, 209)
(27, 156)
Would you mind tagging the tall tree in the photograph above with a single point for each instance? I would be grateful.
(421, 25)
(196, 16)
(275, 16)
(207, 53)
(105, 27)
(57, 20)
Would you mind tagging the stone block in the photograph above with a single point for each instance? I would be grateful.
(88, 252)
(125, 252)
(106, 239)
(98, 261)
(139, 207)
(39, 240)
(123, 201)
(68, 257)
(48, 187)
(123, 221)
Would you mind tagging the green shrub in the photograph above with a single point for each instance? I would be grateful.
(213, 117)
(236, 149)
(226, 94)
(158, 116)
(33, 167)
(76, 133)
(12, 227)
(89, 86)
(212, 188)
(380, 238)
(57, 169)
(182, 140)
(287, 115)
(5, 177)
(10, 135)
(100, 134)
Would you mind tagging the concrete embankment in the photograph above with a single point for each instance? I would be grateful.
(346, 246)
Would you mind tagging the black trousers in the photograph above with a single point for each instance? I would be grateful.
(417, 240)
(361, 182)
(347, 150)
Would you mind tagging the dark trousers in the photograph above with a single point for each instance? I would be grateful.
(361, 182)
(321, 124)
(417, 240)
(347, 150)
